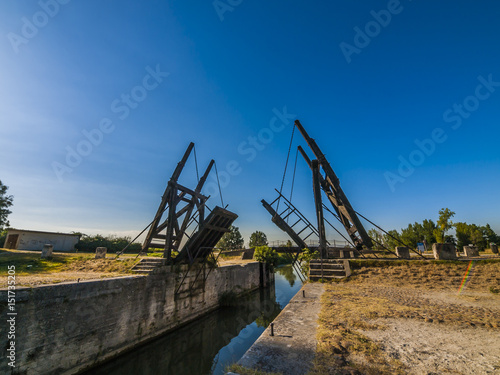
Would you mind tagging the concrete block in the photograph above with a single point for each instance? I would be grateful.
(248, 254)
(494, 248)
(403, 252)
(471, 251)
(100, 252)
(47, 251)
(444, 251)
(346, 254)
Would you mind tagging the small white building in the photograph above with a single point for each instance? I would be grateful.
(20, 239)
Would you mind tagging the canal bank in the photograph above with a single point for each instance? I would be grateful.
(67, 328)
(292, 346)
(211, 343)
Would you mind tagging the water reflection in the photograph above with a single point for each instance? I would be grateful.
(288, 273)
(214, 341)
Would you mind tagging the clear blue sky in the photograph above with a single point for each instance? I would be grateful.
(366, 79)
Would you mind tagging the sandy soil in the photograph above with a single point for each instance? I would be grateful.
(452, 334)
(431, 349)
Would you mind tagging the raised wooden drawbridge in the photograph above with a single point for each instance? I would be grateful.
(324, 180)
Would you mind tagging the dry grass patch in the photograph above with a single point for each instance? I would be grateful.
(31, 270)
(441, 275)
(420, 291)
(343, 350)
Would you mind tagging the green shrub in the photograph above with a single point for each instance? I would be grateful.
(265, 254)
(3, 237)
(305, 257)
(112, 243)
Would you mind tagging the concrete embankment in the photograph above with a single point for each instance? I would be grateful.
(292, 348)
(70, 327)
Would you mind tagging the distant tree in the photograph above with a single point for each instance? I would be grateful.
(257, 238)
(428, 227)
(473, 234)
(462, 232)
(289, 243)
(390, 239)
(417, 232)
(5, 203)
(444, 224)
(377, 238)
(490, 235)
(231, 240)
(412, 234)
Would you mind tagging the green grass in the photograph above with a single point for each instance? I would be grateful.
(26, 263)
(32, 264)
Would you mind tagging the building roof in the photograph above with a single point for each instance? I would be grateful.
(39, 231)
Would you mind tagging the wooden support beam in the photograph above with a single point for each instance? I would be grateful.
(341, 211)
(332, 180)
(283, 225)
(319, 207)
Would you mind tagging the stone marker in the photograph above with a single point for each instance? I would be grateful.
(100, 252)
(471, 251)
(444, 251)
(47, 251)
(494, 248)
(403, 252)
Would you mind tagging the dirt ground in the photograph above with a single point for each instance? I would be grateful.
(412, 319)
(447, 333)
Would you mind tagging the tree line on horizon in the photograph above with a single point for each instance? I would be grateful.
(428, 232)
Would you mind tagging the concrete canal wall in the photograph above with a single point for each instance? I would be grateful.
(67, 328)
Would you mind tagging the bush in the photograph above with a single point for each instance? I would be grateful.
(305, 257)
(265, 254)
(112, 243)
(3, 237)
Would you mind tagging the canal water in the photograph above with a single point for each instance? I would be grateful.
(211, 343)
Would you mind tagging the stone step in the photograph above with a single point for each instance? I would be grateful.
(327, 273)
(330, 268)
(151, 262)
(144, 266)
(142, 271)
(325, 277)
(326, 266)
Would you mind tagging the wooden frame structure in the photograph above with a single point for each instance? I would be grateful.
(331, 186)
(182, 206)
(324, 179)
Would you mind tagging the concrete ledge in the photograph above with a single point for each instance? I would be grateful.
(70, 327)
(292, 348)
